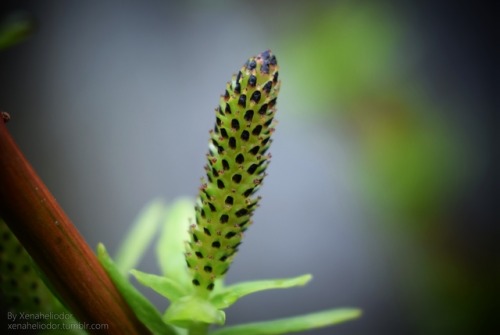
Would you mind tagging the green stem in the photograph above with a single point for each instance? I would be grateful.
(198, 328)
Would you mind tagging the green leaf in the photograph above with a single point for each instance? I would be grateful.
(139, 236)
(292, 324)
(162, 285)
(15, 28)
(230, 294)
(144, 310)
(172, 243)
(193, 309)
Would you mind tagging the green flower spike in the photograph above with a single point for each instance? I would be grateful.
(237, 161)
(22, 290)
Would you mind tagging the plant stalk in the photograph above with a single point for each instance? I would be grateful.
(198, 328)
(46, 232)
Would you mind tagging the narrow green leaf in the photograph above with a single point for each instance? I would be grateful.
(15, 28)
(144, 310)
(139, 236)
(172, 243)
(193, 309)
(232, 293)
(162, 285)
(292, 324)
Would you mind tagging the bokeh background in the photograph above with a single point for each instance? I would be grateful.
(381, 183)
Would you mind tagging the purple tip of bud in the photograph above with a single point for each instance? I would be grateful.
(251, 64)
(265, 58)
(265, 55)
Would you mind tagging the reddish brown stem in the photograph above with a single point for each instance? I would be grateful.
(56, 246)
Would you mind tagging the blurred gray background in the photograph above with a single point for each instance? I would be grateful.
(111, 101)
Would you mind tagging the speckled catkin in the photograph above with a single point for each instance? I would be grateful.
(21, 289)
(237, 160)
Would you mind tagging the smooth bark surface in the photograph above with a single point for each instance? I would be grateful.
(57, 247)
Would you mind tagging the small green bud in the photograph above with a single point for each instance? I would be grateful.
(237, 160)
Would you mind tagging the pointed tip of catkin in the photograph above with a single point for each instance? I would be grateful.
(265, 59)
